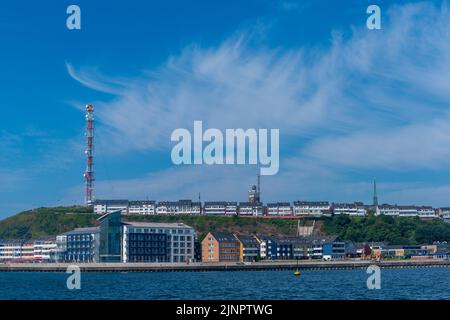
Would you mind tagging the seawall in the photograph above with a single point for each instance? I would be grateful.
(201, 267)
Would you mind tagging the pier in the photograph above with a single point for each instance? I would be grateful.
(203, 267)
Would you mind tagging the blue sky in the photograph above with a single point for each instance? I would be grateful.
(351, 104)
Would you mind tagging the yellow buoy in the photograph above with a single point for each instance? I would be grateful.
(296, 273)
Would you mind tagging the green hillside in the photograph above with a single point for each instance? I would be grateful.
(389, 229)
(42, 222)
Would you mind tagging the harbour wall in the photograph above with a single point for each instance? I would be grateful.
(202, 267)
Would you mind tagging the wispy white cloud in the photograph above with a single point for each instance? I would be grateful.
(376, 99)
(91, 78)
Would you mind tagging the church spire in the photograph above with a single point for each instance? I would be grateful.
(375, 196)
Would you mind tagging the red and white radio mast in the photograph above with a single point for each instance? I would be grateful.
(89, 173)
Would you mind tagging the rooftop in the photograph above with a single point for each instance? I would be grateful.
(155, 225)
(224, 236)
(311, 203)
(83, 230)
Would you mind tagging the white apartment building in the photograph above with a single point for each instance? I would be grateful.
(424, 212)
(311, 208)
(407, 211)
(27, 250)
(444, 214)
(162, 208)
(44, 249)
(231, 209)
(187, 207)
(427, 212)
(388, 210)
(352, 209)
(102, 207)
(220, 208)
(10, 250)
(249, 209)
(279, 209)
(142, 207)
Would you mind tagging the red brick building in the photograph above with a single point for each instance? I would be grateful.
(220, 247)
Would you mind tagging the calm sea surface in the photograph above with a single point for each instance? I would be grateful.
(430, 283)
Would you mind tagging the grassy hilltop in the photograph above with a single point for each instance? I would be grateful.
(43, 222)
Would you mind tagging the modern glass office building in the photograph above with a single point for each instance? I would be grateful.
(117, 241)
(157, 242)
(110, 237)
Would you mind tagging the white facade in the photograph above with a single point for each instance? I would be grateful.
(263, 249)
(407, 211)
(307, 208)
(27, 250)
(161, 208)
(279, 209)
(352, 209)
(444, 214)
(427, 213)
(231, 209)
(220, 208)
(10, 250)
(44, 249)
(184, 207)
(188, 207)
(102, 207)
(388, 210)
(142, 207)
(247, 209)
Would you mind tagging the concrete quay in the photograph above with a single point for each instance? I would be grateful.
(201, 267)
